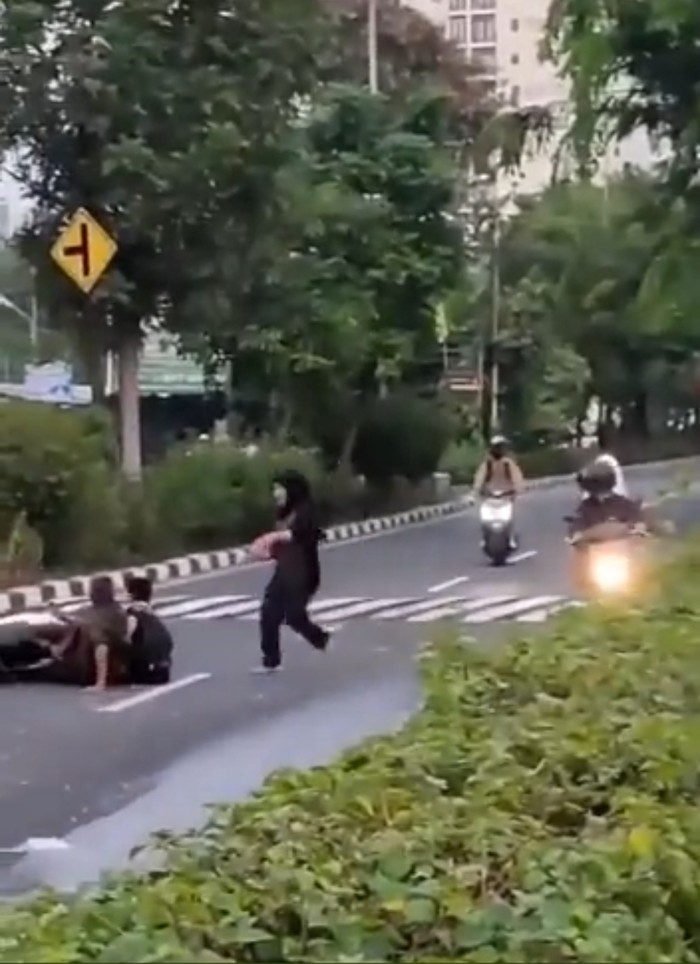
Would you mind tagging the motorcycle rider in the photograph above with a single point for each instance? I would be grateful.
(601, 502)
(499, 473)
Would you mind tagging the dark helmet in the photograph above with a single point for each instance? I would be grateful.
(497, 446)
(597, 480)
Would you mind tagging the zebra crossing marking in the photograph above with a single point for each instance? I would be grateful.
(513, 608)
(417, 610)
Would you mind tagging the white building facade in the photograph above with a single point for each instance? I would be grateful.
(502, 38)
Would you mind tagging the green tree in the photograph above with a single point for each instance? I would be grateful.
(631, 64)
(581, 271)
(168, 121)
(343, 304)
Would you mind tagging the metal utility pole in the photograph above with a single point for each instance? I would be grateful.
(495, 316)
(372, 46)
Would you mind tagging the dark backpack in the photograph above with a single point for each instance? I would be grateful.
(152, 642)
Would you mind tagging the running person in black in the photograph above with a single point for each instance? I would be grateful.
(297, 575)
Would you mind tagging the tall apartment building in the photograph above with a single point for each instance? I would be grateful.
(502, 38)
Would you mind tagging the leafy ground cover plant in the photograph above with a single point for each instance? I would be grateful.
(542, 807)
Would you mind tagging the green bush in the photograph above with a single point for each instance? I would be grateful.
(461, 460)
(208, 496)
(551, 461)
(53, 467)
(401, 436)
(542, 807)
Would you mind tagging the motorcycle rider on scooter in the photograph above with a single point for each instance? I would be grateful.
(601, 502)
(605, 457)
(499, 473)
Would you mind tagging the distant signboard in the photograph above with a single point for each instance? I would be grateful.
(164, 372)
(462, 382)
(52, 383)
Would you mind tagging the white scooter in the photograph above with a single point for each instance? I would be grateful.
(496, 518)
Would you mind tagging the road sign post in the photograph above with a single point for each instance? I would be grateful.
(84, 250)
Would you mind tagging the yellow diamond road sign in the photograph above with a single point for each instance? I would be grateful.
(84, 250)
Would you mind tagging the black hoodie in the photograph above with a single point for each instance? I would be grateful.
(298, 563)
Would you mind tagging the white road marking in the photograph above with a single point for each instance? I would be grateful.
(194, 605)
(363, 608)
(72, 605)
(522, 556)
(540, 615)
(249, 605)
(413, 609)
(321, 605)
(445, 612)
(510, 609)
(318, 608)
(146, 696)
(441, 587)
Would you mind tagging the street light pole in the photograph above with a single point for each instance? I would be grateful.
(32, 318)
(372, 46)
(495, 316)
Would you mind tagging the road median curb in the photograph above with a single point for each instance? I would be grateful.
(201, 563)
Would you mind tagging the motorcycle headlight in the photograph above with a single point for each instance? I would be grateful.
(491, 512)
(610, 572)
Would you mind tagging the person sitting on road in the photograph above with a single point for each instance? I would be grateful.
(151, 647)
(102, 625)
(498, 472)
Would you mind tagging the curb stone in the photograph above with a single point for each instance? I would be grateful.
(200, 563)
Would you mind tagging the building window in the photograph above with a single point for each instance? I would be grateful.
(515, 25)
(515, 96)
(458, 5)
(483, 4)
(457, 29)
(483, 28)
(485, 58)
(515, 59)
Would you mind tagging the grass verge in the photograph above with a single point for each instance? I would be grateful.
(542, 807)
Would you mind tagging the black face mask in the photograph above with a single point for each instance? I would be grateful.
(497, 454)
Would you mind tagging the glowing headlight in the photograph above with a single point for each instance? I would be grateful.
(610, 572)
(496, 512)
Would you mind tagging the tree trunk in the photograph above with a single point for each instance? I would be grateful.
(129, 405)
(345, 459)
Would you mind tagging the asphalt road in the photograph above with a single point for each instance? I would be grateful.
(85, 777)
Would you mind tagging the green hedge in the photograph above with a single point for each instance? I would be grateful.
(542, 807)
(60, 467)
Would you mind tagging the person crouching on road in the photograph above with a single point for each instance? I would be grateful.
(297, 575)
(100, 633)
(151, 644)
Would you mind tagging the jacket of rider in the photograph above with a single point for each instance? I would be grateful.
(594, 511)
(499, 475)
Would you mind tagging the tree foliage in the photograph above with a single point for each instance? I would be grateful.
(632, 64)
(589, 291)
(168, 121)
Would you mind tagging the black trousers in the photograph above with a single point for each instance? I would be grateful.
(286, 604)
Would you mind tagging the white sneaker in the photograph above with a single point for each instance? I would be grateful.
(266, 670)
